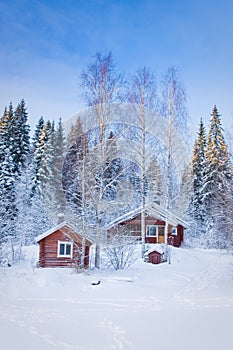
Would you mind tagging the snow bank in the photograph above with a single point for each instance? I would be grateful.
(185, 305)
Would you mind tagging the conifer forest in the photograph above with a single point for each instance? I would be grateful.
(129, 147)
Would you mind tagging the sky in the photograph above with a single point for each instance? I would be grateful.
(47, 44)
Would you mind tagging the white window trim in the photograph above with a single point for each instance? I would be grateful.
(174, 233)
(65, 255)
(148, 226)
(157, 230)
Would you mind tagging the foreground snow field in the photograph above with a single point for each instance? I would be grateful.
(185, 305)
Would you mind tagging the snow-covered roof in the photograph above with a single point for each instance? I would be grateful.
(152, 209)
(62, 226)
(155, 247)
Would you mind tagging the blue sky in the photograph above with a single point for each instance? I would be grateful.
(46, 44)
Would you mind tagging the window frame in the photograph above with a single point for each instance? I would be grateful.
(175, 229)
(66, 243)
(157, 230)
(148, 230)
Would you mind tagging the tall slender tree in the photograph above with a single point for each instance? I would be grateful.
(143, 94)
(101, 85)
(21, 136)
(37, 132)
(198, 166)
(14, 150)
(217, 188)
(173, 108)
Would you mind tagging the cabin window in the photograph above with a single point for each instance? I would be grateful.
(133, 230)
(174, 231)
(155, 231)
(65, 249)
(151, 230)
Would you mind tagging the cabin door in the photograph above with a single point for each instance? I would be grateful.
(161, 233)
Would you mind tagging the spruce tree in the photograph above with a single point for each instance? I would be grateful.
(14, 150)
(217, 187)
(56, 164)
(198, 160)
(77, 148)
(21, 136)
(7, 186)
(37, 153)
(37, 132)
(42, 156)
(154, 180)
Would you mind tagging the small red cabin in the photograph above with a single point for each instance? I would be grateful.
(62, 246)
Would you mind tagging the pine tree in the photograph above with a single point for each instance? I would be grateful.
(42, 156)
(7, 186)
(14, 150)
(70, 172)
(217, 188)
(37, 153)
(154, 179)
(32, 219)
(6, 133)
(198, 161)
(21, 136)
(56, 164)
(37, 132)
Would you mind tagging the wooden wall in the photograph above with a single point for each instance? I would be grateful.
(48, 255)
(176, 239)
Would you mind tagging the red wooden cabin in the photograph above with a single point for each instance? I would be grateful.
(61, 246)
(155, 219)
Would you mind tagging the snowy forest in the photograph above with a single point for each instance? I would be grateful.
(96, 169)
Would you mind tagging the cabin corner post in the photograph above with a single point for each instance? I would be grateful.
(143, 232)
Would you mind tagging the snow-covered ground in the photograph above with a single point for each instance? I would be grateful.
(185, 305)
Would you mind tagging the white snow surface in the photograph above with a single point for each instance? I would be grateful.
(185, 305)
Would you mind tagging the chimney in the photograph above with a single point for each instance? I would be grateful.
(60, 218)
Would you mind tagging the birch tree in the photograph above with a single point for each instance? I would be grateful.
(143, 94)
(173, 108)
(101, 87)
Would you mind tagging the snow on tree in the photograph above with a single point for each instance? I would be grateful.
(211, 204)
(57, 147)
(197, 209)
(154, 182)
(45, 155)
(41, 136)
(143, 94)
(185, 191)
(39, 126)
(48, 162)
(32, 218)
(173, 108)
(101, 85)
(14, 150)
(121, 248)
(21, 136)
(8, 209)
(217, 185)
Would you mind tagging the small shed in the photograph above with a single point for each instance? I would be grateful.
(155, 255)
(63, 246)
